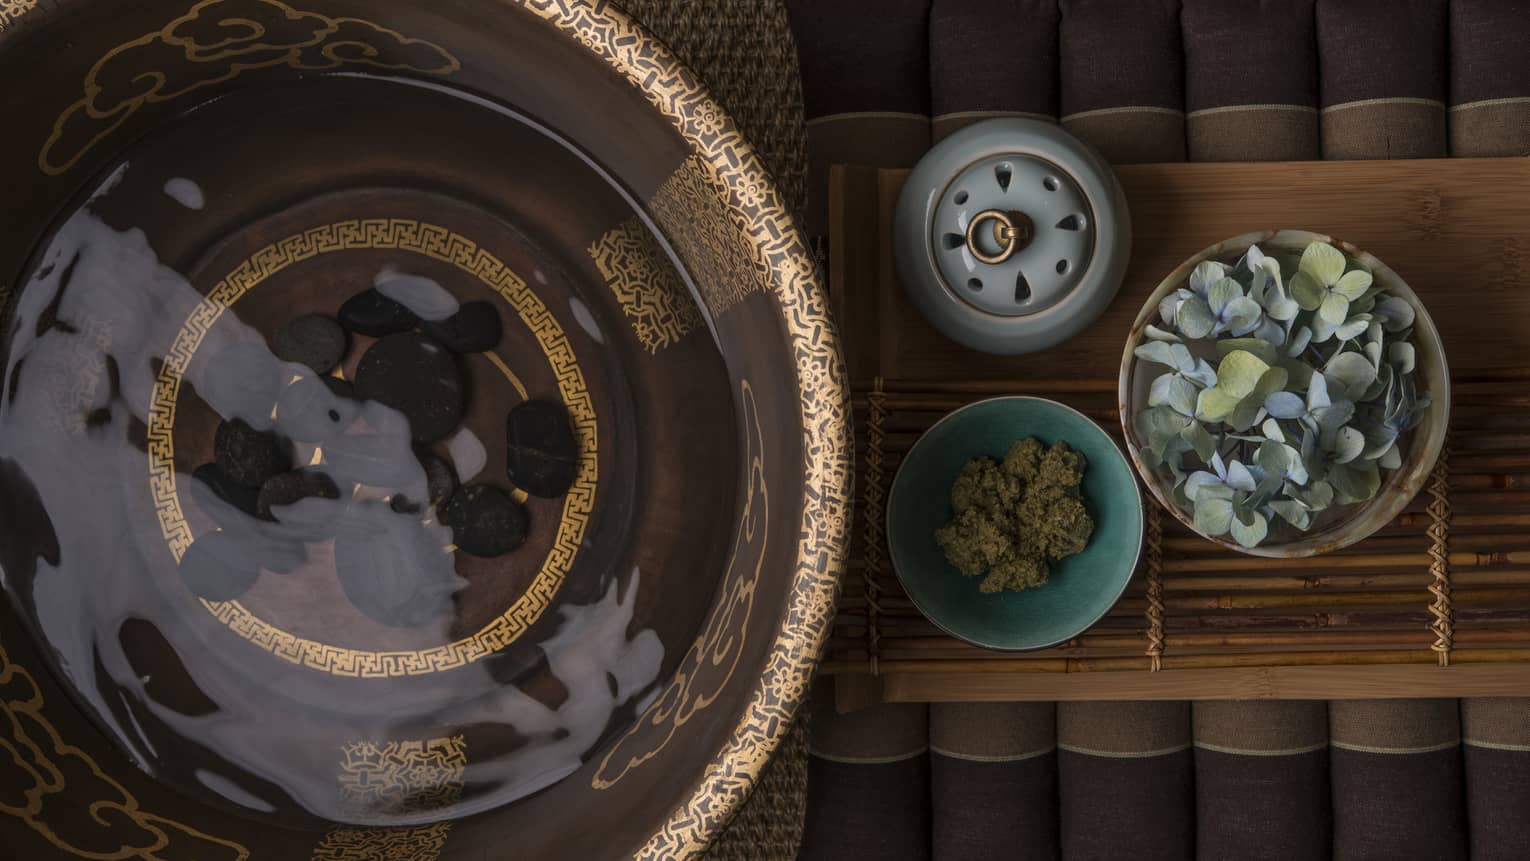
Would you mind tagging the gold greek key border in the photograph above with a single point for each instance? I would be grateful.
(786, 272)
(437, 243)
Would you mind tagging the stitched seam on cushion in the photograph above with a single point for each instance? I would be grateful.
(974, 115)
(1397, 100)
(1488, 103)
(869, 760)
(867, 115)
(1239, 751)
(1128, 754)
(1125, 109)
(979, 757)
(1228, 109)
(1367, 748)
(1495, 745)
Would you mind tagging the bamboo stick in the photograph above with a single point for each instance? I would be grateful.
(997, 387)
(1212, 574)
(1255, 601)
(1464, 617)
(1489, 375)
(1342, 582)
(1467, 521)
(1491, 481)
(1223, 622)
(1175, 662)
(972, 653)
(1476, 499)
(1418, 542)
(1490, 442)
(1468, 461)
(1238, 562)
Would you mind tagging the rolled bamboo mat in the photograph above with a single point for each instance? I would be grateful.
(1446, 581)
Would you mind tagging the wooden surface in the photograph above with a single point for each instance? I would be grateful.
(1458, 230)
(1356, 623)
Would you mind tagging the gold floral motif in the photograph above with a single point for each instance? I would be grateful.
(12, 10)
(399, 777)
(214, 42)
(645, 285)
(786, 270)
(46, 777)
(383, 844)
(712, 660)
(692, 210)
(437, 243)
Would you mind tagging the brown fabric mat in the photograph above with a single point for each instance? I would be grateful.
(743, 51)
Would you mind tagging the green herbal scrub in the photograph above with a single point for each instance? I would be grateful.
(1014, 519)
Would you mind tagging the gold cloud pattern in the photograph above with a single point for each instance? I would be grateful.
(217, 41)
(50, 779)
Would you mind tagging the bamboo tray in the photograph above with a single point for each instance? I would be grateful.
(1436, 604)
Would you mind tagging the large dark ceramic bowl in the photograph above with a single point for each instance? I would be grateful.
(340, 676)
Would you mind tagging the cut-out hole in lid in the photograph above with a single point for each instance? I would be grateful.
(1072, 222)
(1062, 267)
(1050, 183)
(1022, 288)
(1003, 173)
(953, 241)
(975, 283)
(960, 198)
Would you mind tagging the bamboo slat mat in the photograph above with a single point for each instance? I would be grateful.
(1447, 584)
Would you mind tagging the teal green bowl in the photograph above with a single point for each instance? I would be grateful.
(1082, 588)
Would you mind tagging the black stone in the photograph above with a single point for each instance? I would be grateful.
(310, 411)
(217, 567)
(542, 455)
(313, 340)
(396, 573)
(418, 377)
(440, 483)
(249, 456)
(475, 328)
(375, 315)
(210, 482)
(485, 521)
(293, 487)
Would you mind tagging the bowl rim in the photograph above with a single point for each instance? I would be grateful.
(919, 445)
(1392, 497)
(822, 386)
(793, 284)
